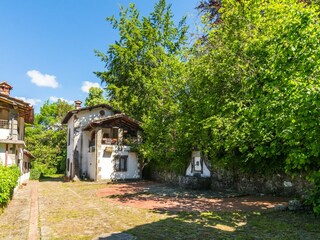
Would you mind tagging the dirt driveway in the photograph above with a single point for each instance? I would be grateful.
(162, 197)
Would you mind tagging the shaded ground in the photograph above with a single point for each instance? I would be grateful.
(82, 210)
(162, 197)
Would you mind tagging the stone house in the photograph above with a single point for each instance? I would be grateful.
(14, 113)
(100, 143)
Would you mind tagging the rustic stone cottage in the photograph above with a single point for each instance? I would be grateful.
(14, 113)
(99, 144)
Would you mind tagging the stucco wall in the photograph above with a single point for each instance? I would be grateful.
(11, 154)
(2, 153)
(79, 140)
(106, 165)
(4, 133)
(91, 165)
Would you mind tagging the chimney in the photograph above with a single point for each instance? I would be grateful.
(77, 104)
(5, 88)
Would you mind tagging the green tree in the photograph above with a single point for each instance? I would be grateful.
(95, 97)
(253, 89)
(145, 74)
(140, 67)
(51, 114)
(46, 139)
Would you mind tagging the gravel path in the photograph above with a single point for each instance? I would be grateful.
(14, 222)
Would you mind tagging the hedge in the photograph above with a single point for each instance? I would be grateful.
(8, 181)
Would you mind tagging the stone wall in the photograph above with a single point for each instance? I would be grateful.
(275, 184)
(195, 183)
(221, 180)
(167, 177)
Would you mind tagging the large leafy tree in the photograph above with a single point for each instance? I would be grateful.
(253, 99)
(144, 75)
(141, 66)
(46, 139)
(95, 97)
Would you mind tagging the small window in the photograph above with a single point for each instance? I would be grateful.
(115, 133)
(106, 135)
(92, 141)
(120, 163)
(102, 113)
(13, 149)
(106, 139)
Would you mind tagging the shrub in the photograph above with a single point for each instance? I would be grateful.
(35, 174)
(39, 169)
(314, 197)
(8, 181)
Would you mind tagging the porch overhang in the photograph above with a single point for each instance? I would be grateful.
(27, 153)
(14, 142)
(25, 109)
(118, 120)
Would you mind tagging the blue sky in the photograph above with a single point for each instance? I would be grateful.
(47, 47)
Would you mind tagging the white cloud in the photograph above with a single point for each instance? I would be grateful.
(32, 101)
(86, 85)
(55, 99)
(43, 80)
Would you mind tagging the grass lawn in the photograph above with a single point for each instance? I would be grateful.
(232, 225)
(74, 211)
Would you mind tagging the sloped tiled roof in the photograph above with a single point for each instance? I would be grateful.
(75, 111)
(120, 120)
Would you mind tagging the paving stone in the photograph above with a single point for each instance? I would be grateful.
(14, 221)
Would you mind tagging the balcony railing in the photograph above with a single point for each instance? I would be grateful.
(109, 141)
(4, 124)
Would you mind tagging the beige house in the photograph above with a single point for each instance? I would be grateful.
(99, 144)
(14, 113)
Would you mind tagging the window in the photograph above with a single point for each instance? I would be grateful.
(102, 113)
(106, 139)
(13, 149)
(105, 135)
(4, 118)
(25, 167)
(92, 142)
(115, 133)
(120, 163)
